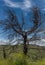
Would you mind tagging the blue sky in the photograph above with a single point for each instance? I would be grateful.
(21, 5)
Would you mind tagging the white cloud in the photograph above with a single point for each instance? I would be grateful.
(27, 4)
(43, 40)
(23, 5)
(11, 4)
(43, 9)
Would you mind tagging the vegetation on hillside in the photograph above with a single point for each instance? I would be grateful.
(15, 56)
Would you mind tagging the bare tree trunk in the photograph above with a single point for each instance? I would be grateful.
(25, 48)
(4, 54)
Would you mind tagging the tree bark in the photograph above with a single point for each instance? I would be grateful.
(4, 54)
(25, 48)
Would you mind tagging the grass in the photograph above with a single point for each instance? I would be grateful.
(34, 57)
(18, 59)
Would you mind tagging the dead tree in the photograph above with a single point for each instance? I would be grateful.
(13, 26)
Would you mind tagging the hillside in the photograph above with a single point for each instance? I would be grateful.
(33, 50)
(14, 55)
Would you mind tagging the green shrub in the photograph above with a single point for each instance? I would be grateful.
(21, 62)
(18, 59)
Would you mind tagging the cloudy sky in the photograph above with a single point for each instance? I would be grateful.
(23, 5)
(20, 5)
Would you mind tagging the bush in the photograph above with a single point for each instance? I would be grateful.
(18, 59)
(21, 62)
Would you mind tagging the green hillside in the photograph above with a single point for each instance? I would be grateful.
(15, 56)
